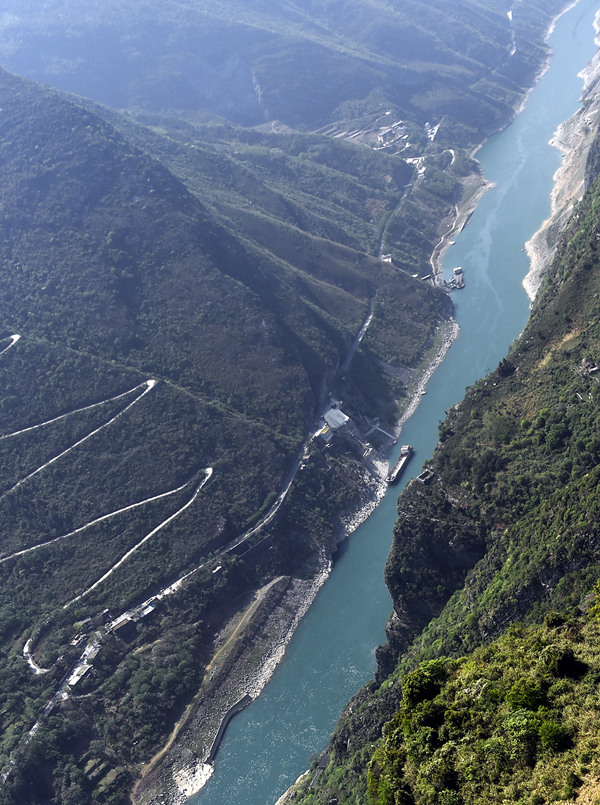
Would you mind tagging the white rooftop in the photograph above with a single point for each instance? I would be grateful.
(335, 418)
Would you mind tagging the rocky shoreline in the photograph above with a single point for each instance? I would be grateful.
(254, 646)
(245, 667)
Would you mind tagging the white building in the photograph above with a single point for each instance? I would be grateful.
(335, 418)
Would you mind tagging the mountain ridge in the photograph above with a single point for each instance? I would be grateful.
(128, 281)
(245, 63)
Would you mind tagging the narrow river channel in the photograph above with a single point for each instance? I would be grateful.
(332, 653)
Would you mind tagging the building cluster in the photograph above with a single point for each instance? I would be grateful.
(390, 134)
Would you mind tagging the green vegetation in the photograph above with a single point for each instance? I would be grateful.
(234, 267)
(515, 721)
(506, 532)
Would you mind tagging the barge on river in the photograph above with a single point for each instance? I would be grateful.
(406, 452)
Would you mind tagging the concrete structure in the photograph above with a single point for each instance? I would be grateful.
(459, 278)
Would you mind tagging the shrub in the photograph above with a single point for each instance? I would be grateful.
(553, 736)
(526, 693)
(424, 682)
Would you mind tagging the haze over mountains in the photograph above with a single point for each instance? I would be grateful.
(258, 61)
(187, 272)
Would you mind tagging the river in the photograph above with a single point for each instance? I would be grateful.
(332, 653)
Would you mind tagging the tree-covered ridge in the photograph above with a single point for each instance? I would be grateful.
(516, 721)
(308, 208)
(169, 368)
(466, 62)
(105, 251)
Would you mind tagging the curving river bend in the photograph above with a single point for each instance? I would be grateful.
(332, 653)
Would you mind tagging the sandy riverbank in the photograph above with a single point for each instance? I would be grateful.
(573, 138)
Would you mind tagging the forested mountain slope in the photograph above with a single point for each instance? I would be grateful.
(179, 296)
(127, 204)
(505, 531)
(516, 721)
(167, 373)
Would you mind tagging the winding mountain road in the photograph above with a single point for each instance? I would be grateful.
(13, 340)
(207, 476)
(30, 661)
(148, 385)
(80, 666)
(97, 520)
(80, 410)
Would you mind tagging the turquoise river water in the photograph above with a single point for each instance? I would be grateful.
(332, 652)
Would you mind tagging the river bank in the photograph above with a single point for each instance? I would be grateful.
(573, 138)
(253, 643)
(570, 137)
(497, 272)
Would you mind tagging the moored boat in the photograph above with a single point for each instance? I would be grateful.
(406, 452)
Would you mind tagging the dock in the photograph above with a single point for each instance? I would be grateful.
(458, 278)
(406, 452)
(233, 711)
